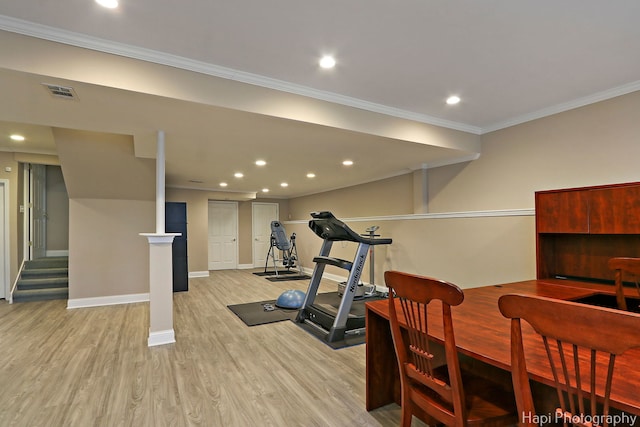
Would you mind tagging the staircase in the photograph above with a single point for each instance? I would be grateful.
(43, 279)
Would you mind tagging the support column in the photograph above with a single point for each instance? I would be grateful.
(160, 289)
(160, 264)
(420, 191)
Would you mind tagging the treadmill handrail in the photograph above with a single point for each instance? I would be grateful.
(328, 227)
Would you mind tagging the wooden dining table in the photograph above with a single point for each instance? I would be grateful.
(483, 336)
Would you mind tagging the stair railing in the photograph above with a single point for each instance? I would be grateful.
(15, 282)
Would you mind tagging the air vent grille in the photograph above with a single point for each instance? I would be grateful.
(61, 91)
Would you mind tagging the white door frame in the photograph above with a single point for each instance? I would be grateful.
(6, 238)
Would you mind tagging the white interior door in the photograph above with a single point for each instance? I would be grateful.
(223, 235)
(38, 203)
(262, 214)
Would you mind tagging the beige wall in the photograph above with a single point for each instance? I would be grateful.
(392, 196)
(111, 201)
(596, 144)
(198, 224)
(104, 166)
(57, 211)
(108, 257)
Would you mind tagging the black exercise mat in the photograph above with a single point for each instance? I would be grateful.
(271, 273)
(284, 278)
(253, 313)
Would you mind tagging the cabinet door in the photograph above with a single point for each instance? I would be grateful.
(562, 212)
(615, 210)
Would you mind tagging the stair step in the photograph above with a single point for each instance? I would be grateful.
(47, 262)
(43, 283)
(40, 294)
(48, 272)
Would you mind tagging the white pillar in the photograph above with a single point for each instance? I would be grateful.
(160, 172)
(160, 264)
(160, 289)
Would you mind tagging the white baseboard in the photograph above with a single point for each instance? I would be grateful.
(110, 300)
(161, 337)
(57, 253)
(194, 274)
(245, 266)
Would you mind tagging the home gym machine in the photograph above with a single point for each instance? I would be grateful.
(286, 246)
(322, 319)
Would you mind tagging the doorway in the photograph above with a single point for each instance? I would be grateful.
(223, 235)
(46, 212)
(262, 214)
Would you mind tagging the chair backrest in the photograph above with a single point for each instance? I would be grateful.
(625, 269)
(415, 295)
(581, 343)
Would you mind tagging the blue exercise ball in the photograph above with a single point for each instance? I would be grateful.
(292, 298)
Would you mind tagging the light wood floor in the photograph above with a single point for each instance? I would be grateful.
(92, 366)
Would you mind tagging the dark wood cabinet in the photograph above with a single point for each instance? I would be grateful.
(562, 212)
(176, 222)
(615, 210)
(579, 229)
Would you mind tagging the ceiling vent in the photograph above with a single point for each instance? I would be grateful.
(61, 91)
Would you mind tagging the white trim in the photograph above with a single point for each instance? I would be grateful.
(566, 106)
(194, 274)
(245, 266)
(61, 252)
(443, 215)
(161, 337)
(160, 238)
(7, 237)
(89, 42)
(109, 300)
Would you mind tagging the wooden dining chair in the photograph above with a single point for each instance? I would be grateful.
(446, 393)
(581, 343)
(625, 268)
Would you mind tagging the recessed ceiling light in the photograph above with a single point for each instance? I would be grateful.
(265, 190)
(260, 162)
(311, 175)
(17, 137)
(453, 100)
(223, 184)
(327, 62)
(238, 174)
(348, 162)
(284, 184)
(110, 4)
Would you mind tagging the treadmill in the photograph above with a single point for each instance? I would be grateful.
(323, 320)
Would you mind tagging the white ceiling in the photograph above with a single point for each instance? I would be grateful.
(509, 61)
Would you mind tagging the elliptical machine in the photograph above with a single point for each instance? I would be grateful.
(322, 320)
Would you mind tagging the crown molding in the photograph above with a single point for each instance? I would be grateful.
(566, 106)
(45, 32)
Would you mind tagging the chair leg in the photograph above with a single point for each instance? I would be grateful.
(406, 413)
(406, 417)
